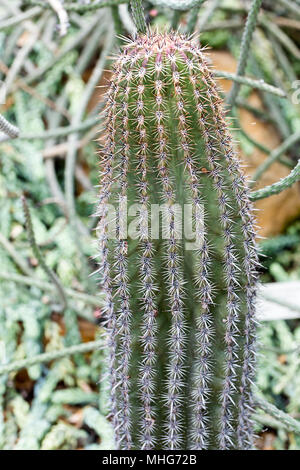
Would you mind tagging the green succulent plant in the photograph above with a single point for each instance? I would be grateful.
(181, 321)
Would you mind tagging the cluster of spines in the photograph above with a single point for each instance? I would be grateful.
(217, 146)
(123, 313)
(148, 289)
(200, 393)
(105, 269)
(122, 292)
(174, 396)
(202, 371)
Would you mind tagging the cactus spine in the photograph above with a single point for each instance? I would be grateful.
(181, 323)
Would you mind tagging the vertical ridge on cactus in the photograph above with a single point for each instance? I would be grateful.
(180, 317)
(149, 327)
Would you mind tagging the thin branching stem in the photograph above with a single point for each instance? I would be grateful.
(245, 47)
(275, 155)
(37, 252)
(290, 423)
(71, 156)
(92, 300)
(257, 84)
(280, 35)
(192, 20)
(16, 257)
(60, 131)
(15, 20)
(291, 7)
(51, 356)
(62, 16)
(182, 5)
(279, 186)
(70, 46)
(175, 19)
(138, 16)
(207, 14)
(118, 26)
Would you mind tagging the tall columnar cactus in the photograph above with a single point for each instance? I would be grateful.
(181, 322)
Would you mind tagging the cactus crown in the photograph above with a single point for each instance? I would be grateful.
(181, 322)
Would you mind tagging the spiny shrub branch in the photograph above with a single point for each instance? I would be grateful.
(286, 420)
(37, 252)
(138, 15)
(279, 186)
(245, 47)
(275, 155)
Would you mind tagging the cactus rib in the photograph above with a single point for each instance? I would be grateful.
(149, 327)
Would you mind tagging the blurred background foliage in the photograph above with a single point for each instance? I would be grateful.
(51, 72)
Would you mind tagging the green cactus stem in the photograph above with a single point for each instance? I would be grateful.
(181, 322)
